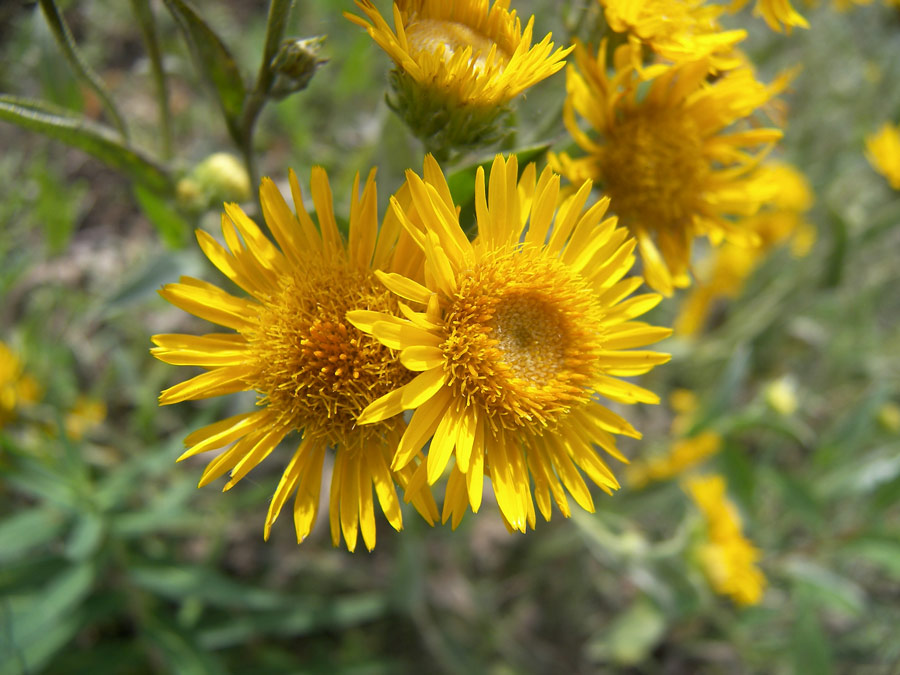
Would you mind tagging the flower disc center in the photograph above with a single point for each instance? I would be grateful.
(448, 38)
(530, 337)
(653, 169)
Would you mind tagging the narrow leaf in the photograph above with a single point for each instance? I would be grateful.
(214, 61)
(95, 139)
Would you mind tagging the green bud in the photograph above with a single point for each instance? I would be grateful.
(295, 64)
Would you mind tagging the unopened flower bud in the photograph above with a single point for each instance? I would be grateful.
(295, 64)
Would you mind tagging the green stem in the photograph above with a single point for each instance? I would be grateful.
(67, 44)
(253, 104)
(151, 40)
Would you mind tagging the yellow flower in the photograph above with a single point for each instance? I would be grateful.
(883, 153)
(684, 454)
(313, 373)
(85, 415)
(16, 387)
(523, 331)
(458, 62)
(727, 557)
(678, 30)
(778, 14)
(673, 159)
(723, 272)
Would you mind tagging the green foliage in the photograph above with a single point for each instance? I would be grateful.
(111, 561)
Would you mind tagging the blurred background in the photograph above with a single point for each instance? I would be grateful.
(111, 561)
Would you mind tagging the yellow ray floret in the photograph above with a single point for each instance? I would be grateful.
(678, 30)
(678, 160)
(728, 559)
(312, 371)
(724, 270)
(883, 153)
(780, 15)
(469, 51)
(518, 340)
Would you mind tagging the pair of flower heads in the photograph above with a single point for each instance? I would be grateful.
(408, 352)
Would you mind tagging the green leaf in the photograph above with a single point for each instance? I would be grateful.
(302, 616)
(810, 646)
(173, 229)
(22, 532)
(87, 536)
(181, 652)
(827, 588)
(631, 636)
(214, 61)
(883, 553)
(43, 622)
(97, 140)
(178, 583)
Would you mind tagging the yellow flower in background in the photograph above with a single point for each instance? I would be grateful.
(312, 371)
(519, 338)
(679, 30)
(883, 153)
(778, 14)
(728, 559)
(17, 388)
(678, 160)
(458, 62)
(726, 268)
(86, 415)
(684, 454)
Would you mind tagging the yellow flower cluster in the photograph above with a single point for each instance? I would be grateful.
(17, 388)
(504, 348)
(728, 559)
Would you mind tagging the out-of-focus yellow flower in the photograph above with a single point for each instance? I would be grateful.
(458, 63)
(672, 153)
(290, 343)
(521, 336)
(678, 30)
(728, 559)
(883, 153)
(85, 415)
(684, 454)
(17, 388)
(889, 417)
(724, 271)
(778, 14)
(781, 395)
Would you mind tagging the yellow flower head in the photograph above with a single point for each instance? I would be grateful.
(684, 454)
(16, 387)
(883, 153)
(458, 62)
(778, 14)
(727, 557)
(672, 159)
(678, 30)
(87, 414)
(313, 372)
(518, 335)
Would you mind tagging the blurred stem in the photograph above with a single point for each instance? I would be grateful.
(834, 267)
(253, 104)
(144, 14)
(67, 44)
